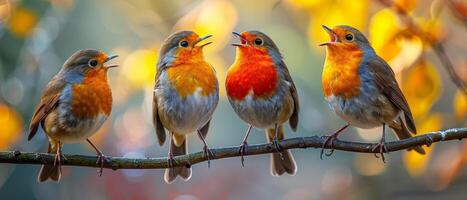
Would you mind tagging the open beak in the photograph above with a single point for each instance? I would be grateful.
(334, 37)
(243, 40)
(108, 59)
(201, 39)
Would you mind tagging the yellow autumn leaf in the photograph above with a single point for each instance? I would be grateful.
(139, 67)
(391, 42)
(432, 28)
(460, 105)
(217, 18)
(383, 28)
(333, 13)
(422, 87)
(414, 162)
(10, 126)
(22, 21)
(405, 5)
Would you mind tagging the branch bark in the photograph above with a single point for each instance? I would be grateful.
(17, 157)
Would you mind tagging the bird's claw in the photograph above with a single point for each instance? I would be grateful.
(59, 158)
(277, 147)
(243, 150)
(329, 140)
(382, 149)
(208, 154)
(101, 159)
(170, 160)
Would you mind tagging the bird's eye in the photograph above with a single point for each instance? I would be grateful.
(92, 63)
(184, 43)
(349, 37)
(258, 41)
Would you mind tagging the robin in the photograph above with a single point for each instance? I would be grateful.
(73, 106)
(262, 93)
(361, 88)
(186, 94)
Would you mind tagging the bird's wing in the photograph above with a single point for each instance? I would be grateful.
(160, 131)
(386, 82)
(293, 120)
(49, 101)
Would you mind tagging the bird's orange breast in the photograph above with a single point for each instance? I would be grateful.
(253, 71)
(188, 77)
(93, 96)
(340, 74)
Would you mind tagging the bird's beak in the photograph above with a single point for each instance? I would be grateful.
(334, 37)
(108, 59)
(201, 39)
(242, 39)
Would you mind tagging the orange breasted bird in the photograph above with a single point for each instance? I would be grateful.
(186, 94)
(361, 88)
(262, 93)
(73, 106)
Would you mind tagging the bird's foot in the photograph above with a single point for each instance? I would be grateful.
(208, 154)
(243, 150)
(382, 149)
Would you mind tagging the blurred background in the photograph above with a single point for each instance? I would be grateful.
(37, 36)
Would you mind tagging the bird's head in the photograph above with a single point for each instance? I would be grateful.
(183, 47)
(85, 62)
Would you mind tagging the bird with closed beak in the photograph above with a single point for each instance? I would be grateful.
(361, 88)
(73, 106)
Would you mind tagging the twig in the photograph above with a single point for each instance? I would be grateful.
(436, 45)
(17, 157)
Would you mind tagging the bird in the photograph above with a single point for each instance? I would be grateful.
(262, 93)
(361, 88)
(186, 94)
(73, 106)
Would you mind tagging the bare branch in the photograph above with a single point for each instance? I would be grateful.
(17, 157)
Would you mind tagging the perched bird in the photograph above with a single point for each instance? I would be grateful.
(186, 94)
(73, 106)
(262, 93)
(362, 89)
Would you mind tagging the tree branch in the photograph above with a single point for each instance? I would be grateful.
(17, 157)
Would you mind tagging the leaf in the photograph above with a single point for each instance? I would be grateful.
(392, 42)
(414, 162)
(10, 127)
(422, 87)
(405, 5)
(459, 10)
(22, 22)
(460, 105)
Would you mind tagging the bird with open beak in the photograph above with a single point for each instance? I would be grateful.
(262, 93)
(73, 106)
(186, 94)
(361, 88)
